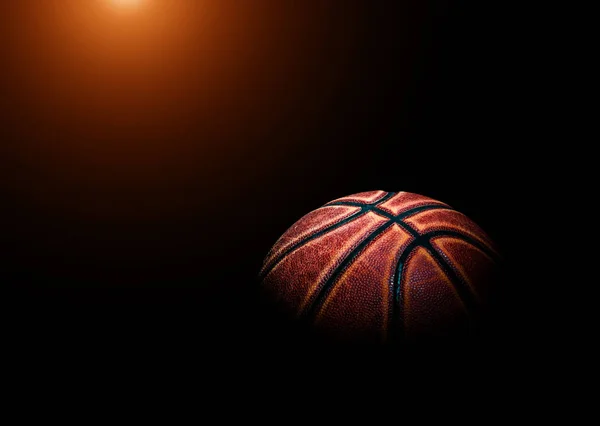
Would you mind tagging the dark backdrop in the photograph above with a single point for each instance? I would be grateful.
(142, 188)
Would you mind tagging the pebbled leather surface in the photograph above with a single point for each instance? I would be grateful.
(404, 201)
(473, 265)
(372, 272)
(364, 290)
(430, 298)
(450, 220)
(310, 224)
(363, 197)
(299, 275)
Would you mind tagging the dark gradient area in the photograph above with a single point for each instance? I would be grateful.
(147, 166)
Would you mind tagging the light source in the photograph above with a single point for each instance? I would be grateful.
(126, 4)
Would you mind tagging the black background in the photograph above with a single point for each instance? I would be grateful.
(414, 96)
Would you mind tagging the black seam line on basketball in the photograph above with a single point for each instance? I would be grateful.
(370, 207)
(465, 293)
(389, 215)
(308, 239)
(365, 208)
(325, 290)
(383, 199)
(412, 231)
(469, 240)
(397, 324)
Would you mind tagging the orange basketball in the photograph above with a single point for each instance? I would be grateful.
(381, 266)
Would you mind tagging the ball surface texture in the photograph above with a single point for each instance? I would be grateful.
(381, 266)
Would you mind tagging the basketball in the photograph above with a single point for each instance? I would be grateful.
(382, 266)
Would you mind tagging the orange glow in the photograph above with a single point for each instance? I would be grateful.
(126, 4)
(112, 96)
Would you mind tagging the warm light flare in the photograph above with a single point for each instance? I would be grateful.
(126, 4)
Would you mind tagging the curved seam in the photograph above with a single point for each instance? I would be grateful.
(323, 293)
(396, 325)
(416, 209)
(365, 208)
(469, 240)
(408, 228)
(463, 290)
(423, 208)
(309, 238)
(383, 199)
(389, 215)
